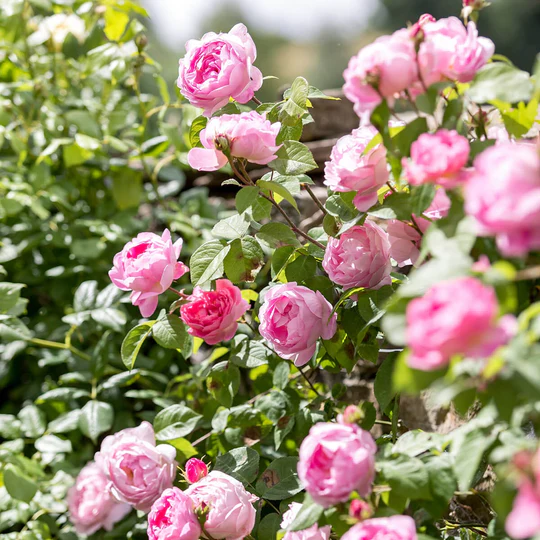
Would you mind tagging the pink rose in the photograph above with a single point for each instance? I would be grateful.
(91, 505)
(231, 515)
(451, 51)
(503, 196)
(311, 533)
(293, 318)
(446, 322)
(213, 315)
(437, 158)
(147, 266)
(138, 470)
(219, 67)
(405, 239)
(173, 517)
(385, 528)
(360, 257)
(351, 168)
(524, 519)
(248, 135)
(384, 68)
(335, 460)
(195, 470)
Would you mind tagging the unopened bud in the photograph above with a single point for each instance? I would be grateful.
(416, 30)
(195, 470)
(222, 144)
(360, 510)
(141, 41)
(352, 415)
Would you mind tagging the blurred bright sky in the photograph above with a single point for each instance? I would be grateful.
(176, 21)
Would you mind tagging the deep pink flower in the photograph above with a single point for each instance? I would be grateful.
(524, 519)
(386, 528)
(91, 505)
(173, 517)
(195, 470)
(503, 196)
(311, 533)
(248, 135)
(213, 315)
(219, 67)
(446, 322)
(335, 460)
(351, 168)
(360, 509)
(293, 318)
(147, 266)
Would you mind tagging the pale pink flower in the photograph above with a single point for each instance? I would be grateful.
(385, 528)
(311, 533)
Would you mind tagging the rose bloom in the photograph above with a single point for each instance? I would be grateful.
(503, 196)
(437, 158)
(248, 135)
(213, 315)
(57, 28)
(351, 168)
(293, 318)
(360, 257)
(147, 266)
(219, 67)
(231, 515)
(195, 470)
(455, 317)
(385, 528)
(139, 471)
(405, 239)
(335, 460)
(451, 51)
(91, 505)
(173, 517)
(384, 68)
(311, 533)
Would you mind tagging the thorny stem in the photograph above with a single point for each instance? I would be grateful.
(179, 293)
(256, 101)
(315, 198)
(392, 188)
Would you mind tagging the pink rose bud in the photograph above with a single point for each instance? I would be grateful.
(138, 470)
(360, 509)
(248, 135)
(293, 318)
(195, 470)
(90, 503)
(481, 265)
(351, 168)
(335, 460)
(219, 67)
(213, 315)
(416, 28)
(510, 208)
(173, 517)
(444, 323)
(452, 51)
(393, 527)
(384, 68)
(231, 514)
(352, 414)
(147, 266)
(311, 533)
(437, 158)
(360, 257)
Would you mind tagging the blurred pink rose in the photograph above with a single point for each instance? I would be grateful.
(524, 519)
(385, 528)
(173, 517)
(360, 509)
(437, 158)
(446, 322)
(213, 315)
(384, 68)
(405, 239)
(335, 460)
(195, 470)
(503, 196)
(147, 266)
(360, 257)
(219, 67)
(91, 505)
(231, 515)
(248, 135)
(293, 318)
(451, 51)
(139, 471)
(352, 169)
(311, 533)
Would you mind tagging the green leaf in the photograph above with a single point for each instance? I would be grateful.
(174, 422)
(421, 198)
(184, 449)
(341, 206)
(280, 480)
(9, 295)
(243, 260)
(281, 375)
(407, 136)
(278, 189)
(295, 105)
(53, 445)
(293, 158)
(276, 235)
(396, 206)
(240, 463)
(33, 421)
(195, 131)
(75, 155)
(133, 342)
(18, 485)
(302, 268)
(408, 477)
(268, 527)
(383, 387)
(96, 418)
(206, 263)
(520, 120)
(249, 353)
(171, 333)
(13, 329)
(412, 381)
(115, 23)
(85, 296)
(127, 188)
(232, 227)
(246, 197)
(223, 382)
(109, 318)
(307, 516)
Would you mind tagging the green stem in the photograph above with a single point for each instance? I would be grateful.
(308, 381)
(395, 415)
(57, 345)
